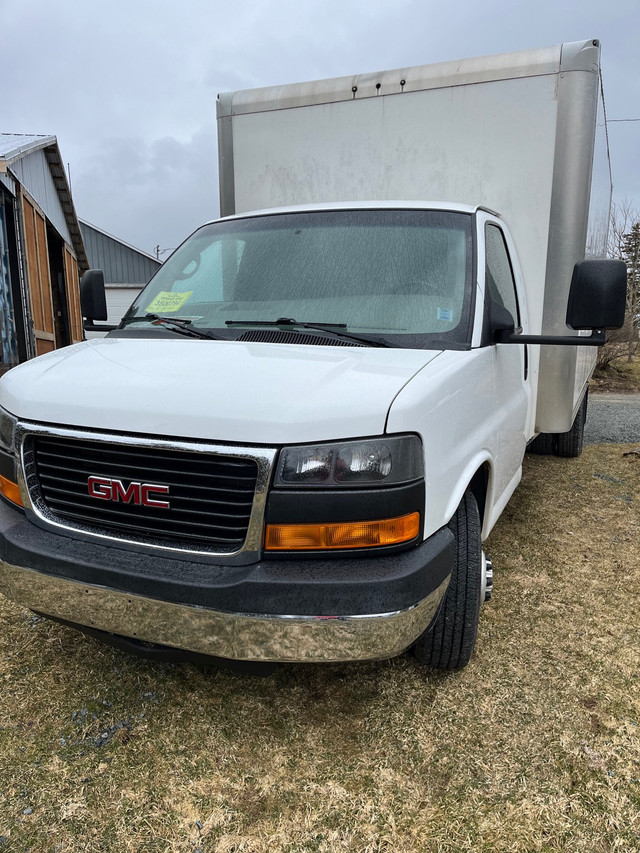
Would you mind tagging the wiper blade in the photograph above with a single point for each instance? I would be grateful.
(322, 327)
(284, 321)
(181, 325)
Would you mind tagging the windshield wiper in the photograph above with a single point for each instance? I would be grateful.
(322, 327)
(181, 325)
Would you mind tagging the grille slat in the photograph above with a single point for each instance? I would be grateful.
(115, 514)
(71, 489)
(210, 495)
(60, 494)
(246, 494)
(54, 461)
(133, 527)
(58, 445)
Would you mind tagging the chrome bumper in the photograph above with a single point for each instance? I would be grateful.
(238, 636)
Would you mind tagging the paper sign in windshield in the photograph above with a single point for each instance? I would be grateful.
(165, 302)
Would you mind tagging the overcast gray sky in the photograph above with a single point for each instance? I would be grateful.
(129, 86)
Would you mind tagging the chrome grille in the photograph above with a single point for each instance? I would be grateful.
(210, 495)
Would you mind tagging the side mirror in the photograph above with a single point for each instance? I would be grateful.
(597, 298)
(93, 300)
(597, 301)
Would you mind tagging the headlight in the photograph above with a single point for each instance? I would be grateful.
(366, 462)
(7, 431)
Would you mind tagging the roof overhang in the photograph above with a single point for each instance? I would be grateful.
(14, 147)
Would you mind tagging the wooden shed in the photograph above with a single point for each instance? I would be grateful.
(41, 250)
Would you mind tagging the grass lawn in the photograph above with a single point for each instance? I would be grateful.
(618, 377)
(534, 747)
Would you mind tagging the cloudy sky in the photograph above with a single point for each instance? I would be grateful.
(129, 86)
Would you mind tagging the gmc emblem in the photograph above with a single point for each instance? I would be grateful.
(106, 489)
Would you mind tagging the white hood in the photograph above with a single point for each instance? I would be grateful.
(251, 393)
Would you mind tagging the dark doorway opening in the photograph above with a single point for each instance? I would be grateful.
(14, 303)
(58, 291)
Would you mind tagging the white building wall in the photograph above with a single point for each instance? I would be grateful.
(119, 298)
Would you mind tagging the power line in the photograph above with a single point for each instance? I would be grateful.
(609, 120)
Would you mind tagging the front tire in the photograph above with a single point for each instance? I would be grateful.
(450, 642)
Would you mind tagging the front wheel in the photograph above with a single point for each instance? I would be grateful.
(450, 642)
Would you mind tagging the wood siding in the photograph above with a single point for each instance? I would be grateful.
(37, 256)
(72, 286)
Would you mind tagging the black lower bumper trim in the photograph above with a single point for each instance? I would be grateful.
(362, 585)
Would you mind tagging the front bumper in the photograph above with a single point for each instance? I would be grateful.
(239, 636)
(355, 608)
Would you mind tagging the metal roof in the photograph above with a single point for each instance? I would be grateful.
(120, 262)
(84, 222)
(14, 146)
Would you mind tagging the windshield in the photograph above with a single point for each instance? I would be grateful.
(402, 275)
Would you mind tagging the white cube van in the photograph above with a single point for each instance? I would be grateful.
(296, 441)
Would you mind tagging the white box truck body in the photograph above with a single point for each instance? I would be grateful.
(521, 134)
(295, 442)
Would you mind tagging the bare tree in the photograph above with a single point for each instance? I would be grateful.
(624, 244)
(631, 249)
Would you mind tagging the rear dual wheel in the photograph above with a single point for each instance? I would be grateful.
(543, 444)
(566, 444)
(569, 444)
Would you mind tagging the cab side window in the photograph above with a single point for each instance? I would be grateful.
(500, 284)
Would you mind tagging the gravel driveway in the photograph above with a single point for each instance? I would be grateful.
(613, 418)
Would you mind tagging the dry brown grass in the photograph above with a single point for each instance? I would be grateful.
(619, 377)
(534, 747)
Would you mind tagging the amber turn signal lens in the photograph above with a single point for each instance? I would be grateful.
(350, 534)
(10, 490)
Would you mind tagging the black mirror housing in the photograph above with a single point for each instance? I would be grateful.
(93, 300)
(597, 298)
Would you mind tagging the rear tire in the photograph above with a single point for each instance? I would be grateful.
(450, 642)
(543, 444)
(566, 444)
(569, 444)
